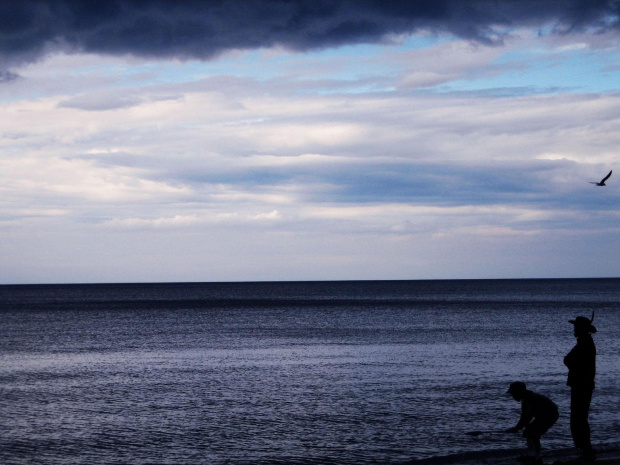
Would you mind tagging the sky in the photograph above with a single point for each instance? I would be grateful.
(256, 140)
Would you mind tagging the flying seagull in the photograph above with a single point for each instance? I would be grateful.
(602, 183)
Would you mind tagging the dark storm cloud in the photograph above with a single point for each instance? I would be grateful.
(202, 29)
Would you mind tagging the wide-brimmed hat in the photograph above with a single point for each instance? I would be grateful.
(584, 322)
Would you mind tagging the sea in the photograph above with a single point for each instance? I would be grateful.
(351, 372)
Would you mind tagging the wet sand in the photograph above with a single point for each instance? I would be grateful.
(608, 454)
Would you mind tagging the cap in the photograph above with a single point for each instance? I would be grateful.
(516, 388)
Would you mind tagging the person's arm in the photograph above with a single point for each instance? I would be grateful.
(526, 416)
(571, 358)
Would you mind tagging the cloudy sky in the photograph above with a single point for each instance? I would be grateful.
(263, 140)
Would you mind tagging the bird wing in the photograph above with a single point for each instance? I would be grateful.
(606, 177)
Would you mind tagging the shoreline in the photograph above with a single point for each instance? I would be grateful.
(607, 454)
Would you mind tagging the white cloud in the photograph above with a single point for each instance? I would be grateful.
(55, 181)
(140, 223)
(288, 178)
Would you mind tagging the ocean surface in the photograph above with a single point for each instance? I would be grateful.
(293, 372)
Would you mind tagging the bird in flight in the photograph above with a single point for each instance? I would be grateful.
(602, 183)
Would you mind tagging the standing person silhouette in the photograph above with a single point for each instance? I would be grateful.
(581, 363)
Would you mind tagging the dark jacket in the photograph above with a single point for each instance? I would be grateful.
(535, 405)
(581, 363)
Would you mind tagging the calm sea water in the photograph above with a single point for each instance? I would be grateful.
(315, 372)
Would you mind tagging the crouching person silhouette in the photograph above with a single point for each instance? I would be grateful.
(538, 414)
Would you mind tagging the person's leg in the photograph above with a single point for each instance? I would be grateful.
(530, 446)
(535, 430)
(532, 433)
(579, 410)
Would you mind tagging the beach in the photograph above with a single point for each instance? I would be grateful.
(608, 454)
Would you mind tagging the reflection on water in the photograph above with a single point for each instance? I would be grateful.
(159, 374)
